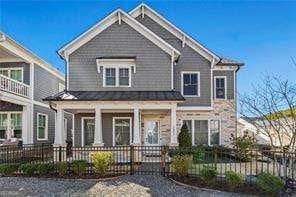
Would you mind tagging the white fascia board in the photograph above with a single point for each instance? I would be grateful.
(28, 56)
(174, 30)
(108, 21)
(189, 108)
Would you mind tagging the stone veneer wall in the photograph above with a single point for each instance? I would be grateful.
(224, 110)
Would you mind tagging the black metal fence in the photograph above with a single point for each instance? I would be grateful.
(158, 159)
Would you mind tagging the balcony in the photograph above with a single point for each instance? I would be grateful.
(13, 86)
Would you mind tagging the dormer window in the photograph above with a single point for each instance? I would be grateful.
(110, 77)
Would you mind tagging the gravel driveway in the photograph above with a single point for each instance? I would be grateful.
(135, 185)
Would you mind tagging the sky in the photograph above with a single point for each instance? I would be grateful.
(260, 34)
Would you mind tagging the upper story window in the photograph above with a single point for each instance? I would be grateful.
(117, 76)
(13, 73)
(220, 87)
(190, 83)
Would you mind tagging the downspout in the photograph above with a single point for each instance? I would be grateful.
(51, 107)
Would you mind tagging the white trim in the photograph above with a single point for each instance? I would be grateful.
(108, 21)
(28, 56)
(46, 126)
(189, 108)
(225, 86)
(73, 130)
(3, 60)
(61, 87)
(231, 68)
(198, 83)
(113, 128)
(174, 30)
(14, 68)
(172, 71)
(117, 67)
(82, 128)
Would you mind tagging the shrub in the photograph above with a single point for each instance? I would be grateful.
(270, 183)
(208, 173)
(8, 169)
(28, 169)
(243, 145)
(44, 168)
(181, 164)
(184, 138)
(79, 166)
(180, 152)
(198, 155)
(101, 161)
(233, 179)
(62, 168)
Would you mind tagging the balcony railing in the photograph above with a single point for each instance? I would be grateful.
(13, 86)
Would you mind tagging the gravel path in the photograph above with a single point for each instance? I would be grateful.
(136, 185)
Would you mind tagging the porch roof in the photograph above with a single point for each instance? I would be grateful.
(117, 96)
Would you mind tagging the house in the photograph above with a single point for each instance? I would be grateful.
(135, 78)
(24, 80)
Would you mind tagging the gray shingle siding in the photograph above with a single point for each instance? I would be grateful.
(189, 60)
(107, 126)
(230, 81)
(45, 83)
(25, 66)
(153, 65)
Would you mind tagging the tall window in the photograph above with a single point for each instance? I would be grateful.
(42, 126)
(201, 132)
(13, 73)
(3, 124)
(189, 126)
(110, 76)
(121, 131)
(220, 87)
(16, 124)
(190, 83)
(123, 76)
(214, 132)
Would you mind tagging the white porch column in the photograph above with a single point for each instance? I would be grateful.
(136, 137)
(27, 132)
(98, 139)
(59, 139)
(173, 126)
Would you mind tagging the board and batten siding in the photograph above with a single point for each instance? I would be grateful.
(23, 65)
(45, 83)
(189, 60)
(153, 65)
(107, 126)
(229, 74)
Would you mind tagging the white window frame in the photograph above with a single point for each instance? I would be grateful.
(198, 83)
(46, 127)
(82, 128)
(61, 87)
(113, 128)
(117, 67)
(209, 129)
(8, 113)
(14, 68)
(225, 86)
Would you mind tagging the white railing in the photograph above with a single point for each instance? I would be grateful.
(13, 86)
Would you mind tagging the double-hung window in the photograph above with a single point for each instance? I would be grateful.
(13, 73)
(42, 126)
(122, 131)
(3, 125)
(10, 125)
(190, 83)
(220, 87)
(214, 132)
(117, 76)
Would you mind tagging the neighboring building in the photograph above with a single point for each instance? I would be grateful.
(135, 78)
(24, 80)
(280, 131)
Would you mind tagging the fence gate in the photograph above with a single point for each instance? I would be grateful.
(149, 160)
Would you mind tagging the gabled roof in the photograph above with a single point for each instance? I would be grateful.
(144, 9)
(228, 61)
(10, 44)
(117, 15)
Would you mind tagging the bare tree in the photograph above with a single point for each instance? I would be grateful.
(273, 103)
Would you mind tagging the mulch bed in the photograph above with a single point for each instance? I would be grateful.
(221, 185)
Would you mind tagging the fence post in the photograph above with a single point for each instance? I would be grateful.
(60, 153)
(215, 158)
(163, 162)
(132, 159)
(42, 152)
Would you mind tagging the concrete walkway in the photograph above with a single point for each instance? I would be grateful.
(135, 185)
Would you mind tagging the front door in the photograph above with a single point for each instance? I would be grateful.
(152, 133)
(89, 131)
